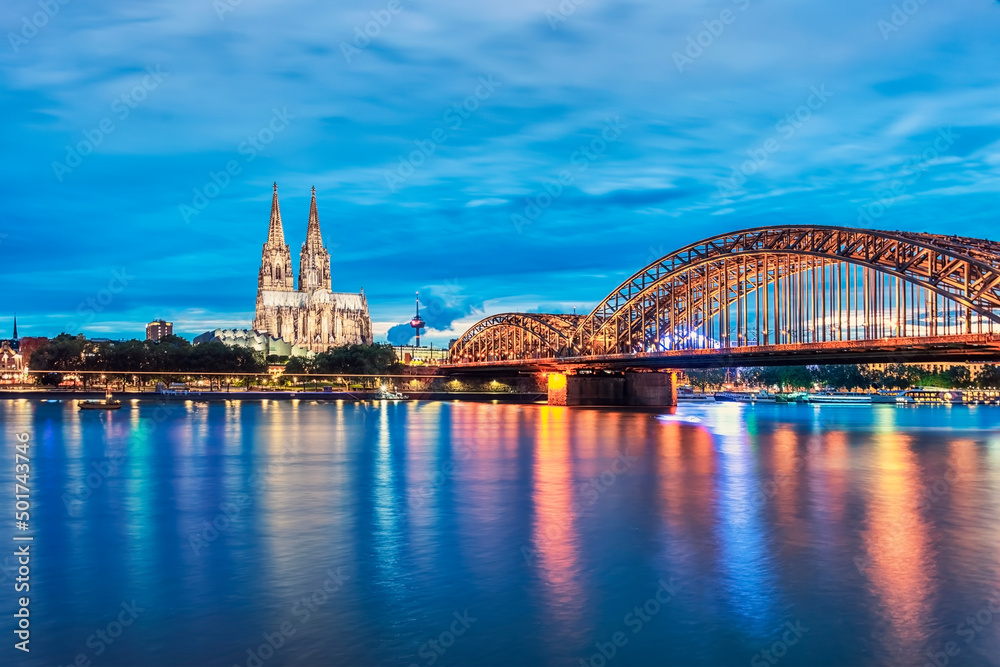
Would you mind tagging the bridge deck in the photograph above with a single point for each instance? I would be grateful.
(968, 347)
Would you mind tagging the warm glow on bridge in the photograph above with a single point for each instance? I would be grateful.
(797, 288)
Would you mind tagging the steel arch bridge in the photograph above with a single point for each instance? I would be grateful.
(776, 292)
(516, 336)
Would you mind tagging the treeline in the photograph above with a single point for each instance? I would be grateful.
(173, 354)
(849, 377)
(377, 359)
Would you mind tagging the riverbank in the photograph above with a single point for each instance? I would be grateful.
(357, 396)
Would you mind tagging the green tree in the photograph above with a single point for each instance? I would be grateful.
(989, 378)
(842, 376)
(710, 377)
(377, 359)
(296, 366)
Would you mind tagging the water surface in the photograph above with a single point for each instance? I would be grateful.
(482, 534)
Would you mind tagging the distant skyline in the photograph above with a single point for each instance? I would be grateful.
(142, 141)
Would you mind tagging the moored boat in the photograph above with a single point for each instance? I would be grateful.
(845, 397)
(744, 397)
(107, 404)
(883, 396)
(688, 395)
(930, 396)
(385, 394)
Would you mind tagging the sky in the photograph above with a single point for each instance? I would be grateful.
(511, 156)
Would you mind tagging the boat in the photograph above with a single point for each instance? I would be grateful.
(745, 397)
(930, 396)
(840, 397)
(884, 396)
(688, 395)
(107, 404)
(385, 394)
(981, 396)
(792, 397)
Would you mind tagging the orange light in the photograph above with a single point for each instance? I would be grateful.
(557, 381)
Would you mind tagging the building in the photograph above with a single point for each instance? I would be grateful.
(255, 340)
(28, 345)
(311, 316)
(11, 362)
(157, 329)
(413, 354)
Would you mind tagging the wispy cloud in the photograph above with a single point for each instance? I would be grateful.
(655, 186)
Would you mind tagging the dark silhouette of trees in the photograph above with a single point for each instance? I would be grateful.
(66, 353)
(377, 359)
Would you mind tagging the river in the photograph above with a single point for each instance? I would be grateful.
(302, 533)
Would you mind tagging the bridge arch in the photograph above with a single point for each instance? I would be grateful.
(793, 284)
(784, 284)
(516, 336)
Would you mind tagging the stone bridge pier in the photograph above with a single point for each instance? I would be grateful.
(613, 388)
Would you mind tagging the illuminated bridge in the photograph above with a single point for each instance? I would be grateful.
(765, 296)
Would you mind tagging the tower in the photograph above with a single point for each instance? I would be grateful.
(307, 313)
(314, 261)
(276, 259)
(275, 273)
(417, 322)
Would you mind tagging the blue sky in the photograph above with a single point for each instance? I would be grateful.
(495, 156)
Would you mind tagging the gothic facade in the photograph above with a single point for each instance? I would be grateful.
(310, 315)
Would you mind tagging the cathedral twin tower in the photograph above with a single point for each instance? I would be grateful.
(312, 316)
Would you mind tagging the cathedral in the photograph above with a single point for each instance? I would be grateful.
(311, 316)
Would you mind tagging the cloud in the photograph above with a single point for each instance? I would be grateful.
(440, 307)
(440, 310)
(401, 334)
(656, 185)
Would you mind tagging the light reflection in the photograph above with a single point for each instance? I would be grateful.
(898, 560)
(747, 563)
(554, 537)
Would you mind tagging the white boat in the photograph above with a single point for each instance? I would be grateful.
(683, 395)
(389, 395)
(745, 397)
(929, 396)
(884, 396)
(107, 404)
(839, 397)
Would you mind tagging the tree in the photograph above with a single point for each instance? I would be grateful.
(989, 378)
(959, 377)
(377, 359)
(710, 377)
(842, 376)
(171, 355)
(296, 366)
(51, 379)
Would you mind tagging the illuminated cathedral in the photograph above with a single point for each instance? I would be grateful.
(312, 315)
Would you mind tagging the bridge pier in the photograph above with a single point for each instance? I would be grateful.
(603, 388)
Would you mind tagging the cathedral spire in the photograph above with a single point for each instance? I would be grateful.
(314, 239)
(15, 326)
(314, 261)
(275, 233)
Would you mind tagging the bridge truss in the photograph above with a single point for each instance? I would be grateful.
(805, 286)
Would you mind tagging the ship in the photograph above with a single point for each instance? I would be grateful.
(930, 396)
(840, 397)
(745, 397)
(107, 404)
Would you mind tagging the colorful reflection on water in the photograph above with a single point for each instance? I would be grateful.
(302, 533)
